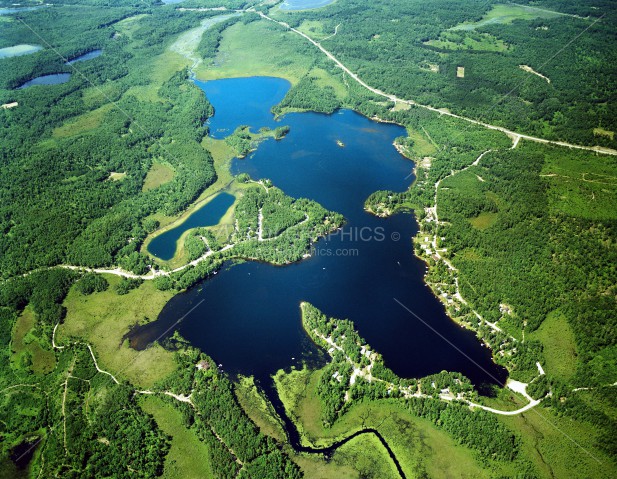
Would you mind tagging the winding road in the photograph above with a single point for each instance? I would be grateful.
(516, 137)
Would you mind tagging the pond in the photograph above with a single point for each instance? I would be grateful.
(250, 318)
(53, 79)
(19, 50)
(304, 4)
(164, 245)
(85, 56)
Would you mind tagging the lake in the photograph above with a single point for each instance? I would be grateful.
(53, 79)
(163, 246)
(304, 4)
(85, 56)
(11, 11)
(19, 50)
(250, 318)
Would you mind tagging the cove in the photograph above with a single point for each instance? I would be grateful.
(163, 246)
(250, 318)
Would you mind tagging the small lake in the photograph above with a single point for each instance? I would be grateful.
(19, 50)
(11, 11)
(164, 245)
(304, 4)
(54, 79)
(85, 56)
(250, 318)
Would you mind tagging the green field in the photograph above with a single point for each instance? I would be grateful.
(26, 348)
(278, 53)
(102, 319)
(559, 345)
(507, 13)
(188, 457)
(419, 447)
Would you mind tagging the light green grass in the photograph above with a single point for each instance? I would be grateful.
(277, 53)
(484, 220)
(102, 319)
(83, 123)
(420, 447)
(24, 342)
(582, 184)
(503, 14)
(483, 42)
(368, 457)
(258, 409)
(188, 457)
(559, 446)
(557, 337)
(158, 175)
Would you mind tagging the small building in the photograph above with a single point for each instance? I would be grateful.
(8, 106)
(460, 72)
(203, 365)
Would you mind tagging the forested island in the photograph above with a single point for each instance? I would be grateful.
(106, 145)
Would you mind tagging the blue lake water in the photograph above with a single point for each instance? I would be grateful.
(54, 79)
(250, 319)
(11, 11)
(247, 106)
(19, 50)
(304, 4)
(164, 245)
(85, 56)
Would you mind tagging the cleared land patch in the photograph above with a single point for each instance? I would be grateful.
(158, 174)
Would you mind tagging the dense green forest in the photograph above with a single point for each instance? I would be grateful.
(390, 45)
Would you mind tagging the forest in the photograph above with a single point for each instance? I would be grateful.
(388, 44)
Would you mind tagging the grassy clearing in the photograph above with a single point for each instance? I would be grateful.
(561, 447)
(83, 123)
(158, 174)
(99, 94)
(484, 42)
(422, 145)
(102, 319)
(484, 220)
(557, 337)
(506, 13)
(582, 184)
(604, 133)
(258, 409)
(420, 448)
(188, 457)
(277, 53)
(368, 457)
(116, 176)
(129, 25)
(26, 350)
(314, 29)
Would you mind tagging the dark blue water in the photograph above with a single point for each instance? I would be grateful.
(85, 56)
(250, 318)
(164, 245)
(55, 79)
(246, 106)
